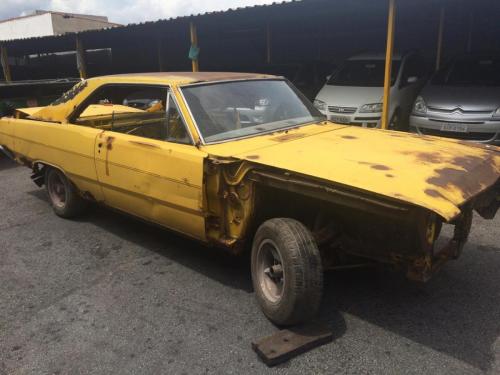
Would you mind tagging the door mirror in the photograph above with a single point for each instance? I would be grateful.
(412, 79)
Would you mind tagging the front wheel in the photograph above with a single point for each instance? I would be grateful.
(286, 271)
(63, 195)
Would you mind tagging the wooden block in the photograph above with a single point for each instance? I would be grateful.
(288, 343)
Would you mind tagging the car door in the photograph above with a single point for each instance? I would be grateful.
(158, 175)
(412, 77)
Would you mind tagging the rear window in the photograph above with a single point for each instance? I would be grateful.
(470, 71)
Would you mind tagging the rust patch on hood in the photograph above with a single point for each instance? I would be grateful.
(468, 174)
(253, 157)
(433, 193)
(379, 167)
(288, 137)
(426, 157)
(348, 137)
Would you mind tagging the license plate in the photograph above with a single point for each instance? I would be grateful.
(459, 128)
(340, 119)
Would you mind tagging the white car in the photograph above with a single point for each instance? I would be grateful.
(354, 93)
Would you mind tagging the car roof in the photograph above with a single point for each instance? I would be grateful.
(179, 78)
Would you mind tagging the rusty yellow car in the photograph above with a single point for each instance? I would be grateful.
(243, 161)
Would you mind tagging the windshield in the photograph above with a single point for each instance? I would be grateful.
(236, 109)
(470, 71)
(363, 73)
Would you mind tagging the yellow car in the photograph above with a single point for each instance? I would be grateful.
(242, 161)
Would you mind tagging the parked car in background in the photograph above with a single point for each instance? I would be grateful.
(462, 100)
(354, 93)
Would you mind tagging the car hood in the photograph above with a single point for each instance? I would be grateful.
(469, 98)
(434, 173)
(350, 96)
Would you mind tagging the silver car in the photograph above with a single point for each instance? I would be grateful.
(462, 100)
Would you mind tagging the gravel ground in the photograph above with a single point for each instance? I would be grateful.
(111, 295)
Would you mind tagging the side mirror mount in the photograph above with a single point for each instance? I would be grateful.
(412, 79)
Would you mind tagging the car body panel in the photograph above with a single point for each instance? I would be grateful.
(67, 147)
(438, 174)
(29, 111)
(469, 107)
(350, 96)
(462, 105)
(468, 98)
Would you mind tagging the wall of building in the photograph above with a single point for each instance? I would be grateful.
(27, 27)
(64, 23)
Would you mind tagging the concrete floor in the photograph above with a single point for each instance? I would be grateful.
(107, 294)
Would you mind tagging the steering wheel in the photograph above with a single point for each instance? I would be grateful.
(282, 112)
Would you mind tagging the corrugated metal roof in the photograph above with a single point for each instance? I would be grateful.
(166, 20)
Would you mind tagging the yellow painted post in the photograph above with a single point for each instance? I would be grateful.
(268, 43)
(388, 63)
(80, 58)
(194, 43)
(5, 63)
(440, 38)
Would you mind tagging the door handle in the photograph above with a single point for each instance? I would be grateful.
(145, 144)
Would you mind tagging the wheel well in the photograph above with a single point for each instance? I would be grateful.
(274, 202)
(39, 168)
(339, 229)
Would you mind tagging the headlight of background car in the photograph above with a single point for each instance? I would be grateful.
(371, 108)
(496, 113)
(419, 108)
(320, 104)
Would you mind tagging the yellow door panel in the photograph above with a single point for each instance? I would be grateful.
(156, 180)
(6, 133)
(68, 147)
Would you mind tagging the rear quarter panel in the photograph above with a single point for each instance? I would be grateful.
(67, 147)
(6, 133)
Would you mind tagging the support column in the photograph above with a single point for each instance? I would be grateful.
(5, 63)
(388, 64)
(194, 47)
(80, 58)
(440, 38)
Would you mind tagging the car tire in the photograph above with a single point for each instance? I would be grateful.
(287, 273)
(63, 195)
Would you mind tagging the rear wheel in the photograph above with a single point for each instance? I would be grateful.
(63, 195)
(286, 271)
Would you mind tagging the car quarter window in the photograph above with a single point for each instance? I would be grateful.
(176, 128)
(414, 67)
(138, 110)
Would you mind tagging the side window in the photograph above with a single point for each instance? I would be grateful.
(414, 67)
(176, 128)
(131, 109)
